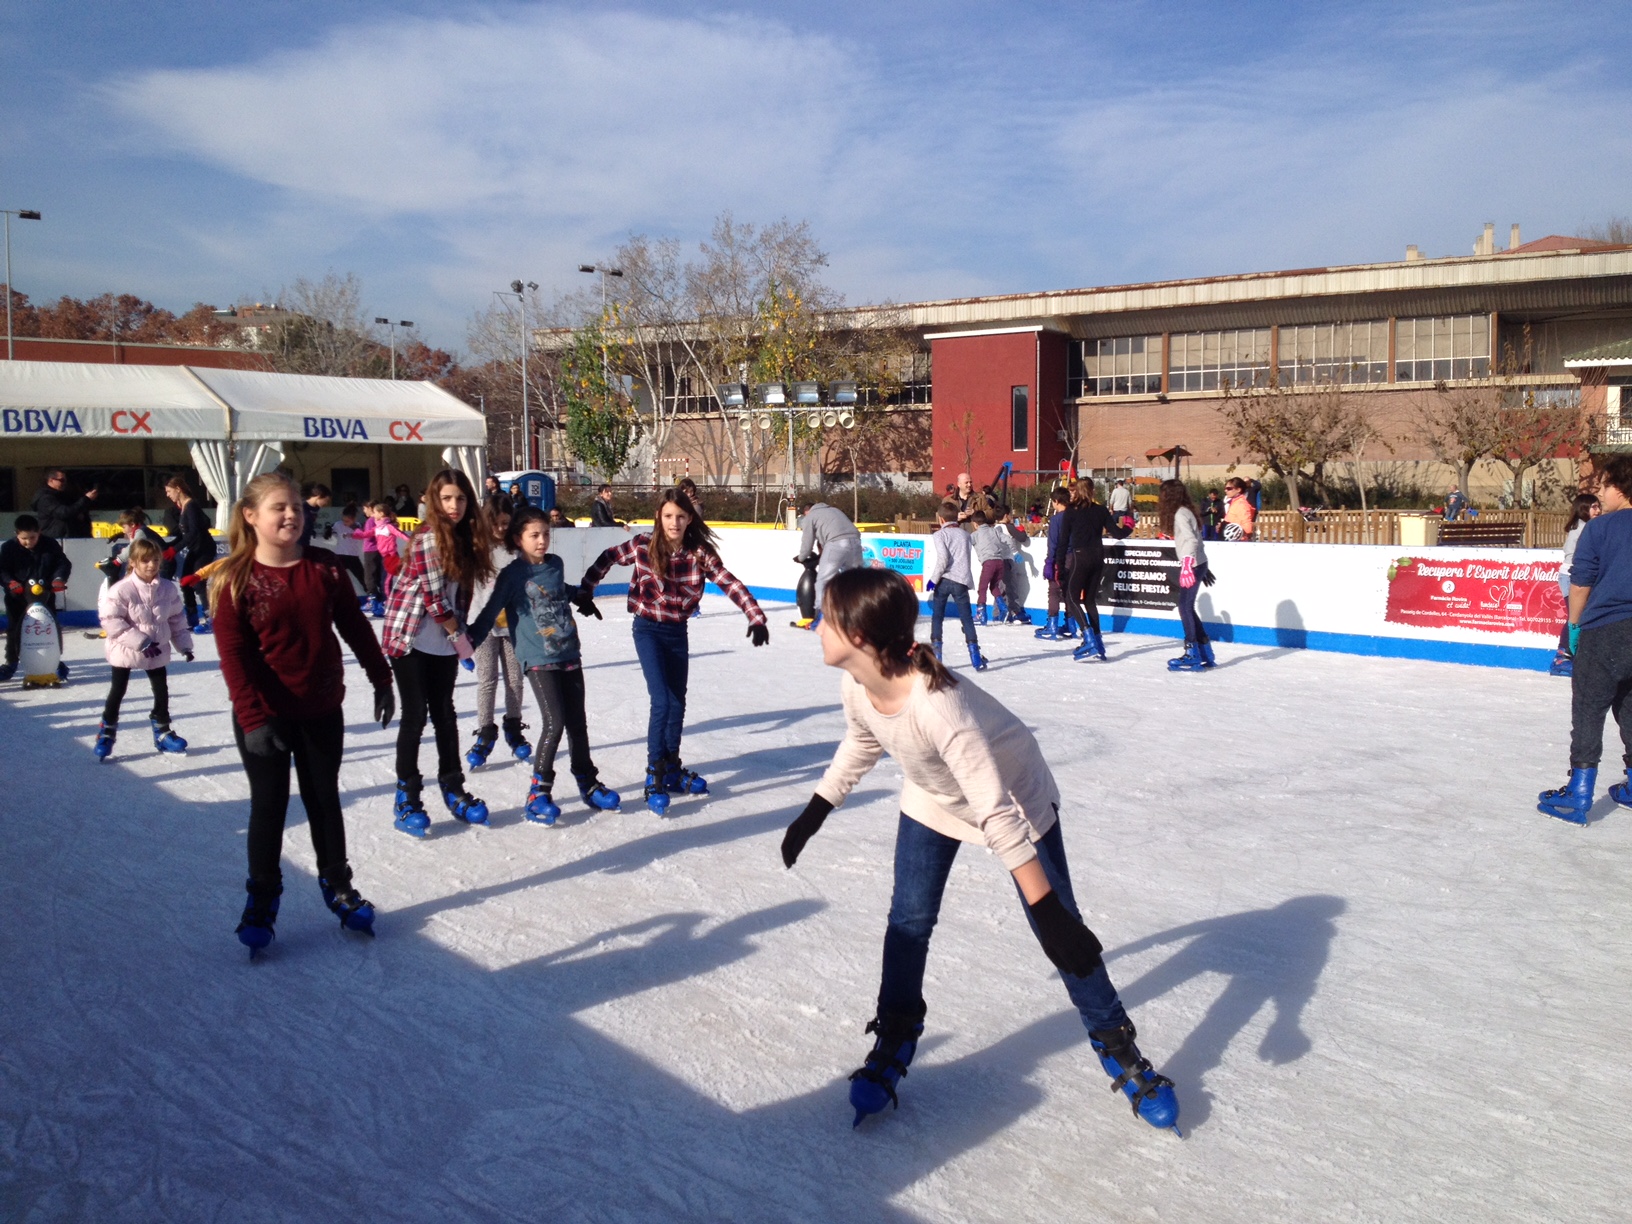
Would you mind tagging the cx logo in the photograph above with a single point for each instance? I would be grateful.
(127, 422)
(406, 431)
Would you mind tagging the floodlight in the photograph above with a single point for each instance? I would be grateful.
(733, 395)
(841, 392)
(515, 286)
(771, 393)
(383, 322)
(28, 214)
(807, 393)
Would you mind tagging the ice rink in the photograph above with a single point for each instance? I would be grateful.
(1386, 988)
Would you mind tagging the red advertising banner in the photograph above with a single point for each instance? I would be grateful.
(1462, 593)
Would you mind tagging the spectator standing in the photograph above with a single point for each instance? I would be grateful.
(403, 504)
(195, 546)
(1600, 638)
(62, 514)
(1212, 516)
(600, 510)
(490, 488)
(1240, 519)
(1120, 503)
(30, 557)
(1455, 504)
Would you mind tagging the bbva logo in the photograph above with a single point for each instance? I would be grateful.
(334, 427)
(40, 421)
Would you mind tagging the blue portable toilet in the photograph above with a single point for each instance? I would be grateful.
(537, 489)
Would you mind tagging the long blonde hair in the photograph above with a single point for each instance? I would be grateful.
(241, 540)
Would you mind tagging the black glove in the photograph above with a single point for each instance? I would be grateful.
(1206, 577)
(188, 655)
(264, 741)
(804, 828)
(759, 634)
(1066, 941)
(585, 603)
(385, 704)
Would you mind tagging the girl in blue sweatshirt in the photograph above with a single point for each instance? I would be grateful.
(533, 593)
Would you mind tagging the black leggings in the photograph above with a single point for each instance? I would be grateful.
(561, 700)
(315, 745)
(116, 695)
(373, 575)
(425, 683)
(1082, 588)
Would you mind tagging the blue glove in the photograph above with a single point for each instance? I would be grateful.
(1575, 636)
(468, 664)
(929, 586)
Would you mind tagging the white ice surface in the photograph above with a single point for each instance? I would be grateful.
(1386, 988)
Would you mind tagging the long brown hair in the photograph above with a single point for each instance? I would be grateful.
(1172, 497)
(1083, 493)
(465, 554)
(879, 608)
(698, 533)
(241, 539)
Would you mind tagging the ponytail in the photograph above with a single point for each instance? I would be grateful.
(879, 608)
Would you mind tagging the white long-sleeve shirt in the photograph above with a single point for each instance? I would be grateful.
(973, 770)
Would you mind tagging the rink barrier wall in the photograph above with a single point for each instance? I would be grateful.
(1286, 596)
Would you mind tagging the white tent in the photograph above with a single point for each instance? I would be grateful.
(235, 421)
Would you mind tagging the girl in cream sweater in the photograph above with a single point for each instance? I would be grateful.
(974, 773)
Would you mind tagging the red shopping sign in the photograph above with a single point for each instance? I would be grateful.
(1492, 596)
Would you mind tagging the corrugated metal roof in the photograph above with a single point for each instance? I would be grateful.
(1618, 353)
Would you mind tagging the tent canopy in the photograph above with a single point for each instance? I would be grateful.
(44, 399)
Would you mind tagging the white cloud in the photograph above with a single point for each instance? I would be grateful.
(526, 141)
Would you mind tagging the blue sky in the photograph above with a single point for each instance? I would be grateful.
(209, 151)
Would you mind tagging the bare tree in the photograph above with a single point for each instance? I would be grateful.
(971, 436)
(1286, 428)
(326, 330)
(1616, 229)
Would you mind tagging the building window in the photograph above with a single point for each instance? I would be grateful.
(1214, 361)
(1434, 350)
(1020, 414)
(1334, 353)
(1127, 365)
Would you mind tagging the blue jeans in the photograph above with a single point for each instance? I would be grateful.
(923, 860)
(665, 661)
(1194, 631)
(947, 589)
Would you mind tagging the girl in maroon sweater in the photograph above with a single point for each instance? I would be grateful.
(276, 605)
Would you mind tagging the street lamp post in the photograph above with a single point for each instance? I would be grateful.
(519, 292)
(393, 327)
(605, 272)
(22, 214)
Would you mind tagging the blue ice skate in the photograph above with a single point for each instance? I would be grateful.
(1189, 661)
(347, 904)
(1573, 800)
(166, 740)
(105, 735)
(463, 804)
(1150, 1094)
(1205, 646)
(1068, 628)
(1049, 631)
(486, 737)
(1092, 647)
(657, 797)
(601, 798)
(1563, 665)
(680, 781)
(409, 813)
(255, 927)
(1621, 791)
(540, 807)
(519, 747)
(62, 671)
(376, 609)
(872, 1086)
(977, 660)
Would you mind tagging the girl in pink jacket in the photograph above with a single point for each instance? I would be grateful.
(144, 618)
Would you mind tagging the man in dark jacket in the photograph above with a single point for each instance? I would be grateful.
(29, 558)
(63, 515)
(600, 510)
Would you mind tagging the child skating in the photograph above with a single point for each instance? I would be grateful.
(145, 620)
(425, 641)
(973, 773)
(671, 563)
(496, 655)
(948, 574)
(532, 594)
(276, 606)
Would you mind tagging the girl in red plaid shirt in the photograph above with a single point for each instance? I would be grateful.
(672, 563)
(425, 641)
